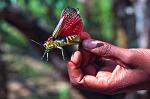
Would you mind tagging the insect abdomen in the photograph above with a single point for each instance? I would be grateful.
(71, 39)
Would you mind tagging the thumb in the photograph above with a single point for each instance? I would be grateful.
(107, 50)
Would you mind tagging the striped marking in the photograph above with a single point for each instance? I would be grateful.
(70, 38)
(67, 40)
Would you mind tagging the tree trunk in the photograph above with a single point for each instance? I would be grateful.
(3, 78)
(142, 14)
(3, 81)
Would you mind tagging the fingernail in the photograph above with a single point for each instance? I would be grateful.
(90, 44)
(73, 55)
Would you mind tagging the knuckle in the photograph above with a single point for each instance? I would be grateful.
(114, 88)
(105, 50)
(75, 82)
(108, 49)
(129, 56)
(106, 86)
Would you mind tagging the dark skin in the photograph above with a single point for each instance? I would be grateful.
(109, 69)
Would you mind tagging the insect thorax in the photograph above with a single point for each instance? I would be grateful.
(48, 44)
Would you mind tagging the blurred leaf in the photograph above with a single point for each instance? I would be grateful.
(2, 4)
(12, 35)
(106, 19)
(64, 92)
(27, 71)
(13, 1)
(37, 8)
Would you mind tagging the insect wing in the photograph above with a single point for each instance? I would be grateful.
(58, 27)
(73, 27)
(70, 23)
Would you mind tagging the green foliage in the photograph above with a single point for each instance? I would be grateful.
(64, 92)
(106, 19)
(46, 14)
(101, 14)
(2, 4)
(11, 35)
(27, 71)
(36, 8)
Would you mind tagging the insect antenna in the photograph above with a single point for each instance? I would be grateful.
(36, 42)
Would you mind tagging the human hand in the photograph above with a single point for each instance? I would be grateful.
(109, 69)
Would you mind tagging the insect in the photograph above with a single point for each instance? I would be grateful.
(66, 32)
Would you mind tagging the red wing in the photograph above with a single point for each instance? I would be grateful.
(71, 24)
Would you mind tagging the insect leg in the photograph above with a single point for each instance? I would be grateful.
(47, 57)
(43, 55)
(62, 52)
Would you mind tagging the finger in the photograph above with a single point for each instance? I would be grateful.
(94, 83)
(90, 82)
(74, 70)
(76, 58)
(85, 56)
(121, 80)
(107, 50)
(100, 83)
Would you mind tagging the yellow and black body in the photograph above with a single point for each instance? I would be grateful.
(59, 42)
